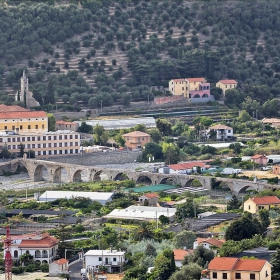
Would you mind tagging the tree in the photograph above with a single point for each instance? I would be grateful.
(26, 259)
(234, 203)
(188, 272)
(85, 128)
(125, 99)
(142, 232)
(236, 147)
(150, 250)
(170, 153)
(140, 127)
(21, 150)
(163, 219)
(120, 140)
(164, 126)
(51, 122)
(264, 218)
(153, 149)
(184, 239)
(5, 152)
(155, 135)
(275, 262)
(98, 131)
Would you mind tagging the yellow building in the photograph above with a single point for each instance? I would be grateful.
(254, 204)
(233, 268)
(226, 84)
(188, 87)
(21, 120)
(136, 139)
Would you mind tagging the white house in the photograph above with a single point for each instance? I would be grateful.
(41, 246)
(111, 259)
(223, 132)
(58, 267)
(101, 197)
(208, 243)
(179, 255)
(183, 167)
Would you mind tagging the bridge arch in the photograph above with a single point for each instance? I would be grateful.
(121, 177)
(245, 188)
(77, 176)
(100, 176)
(41, 173)
(194, 182)
(144, 179)
(168, 181)
(221, 185)
(60, 176)
(19, 166)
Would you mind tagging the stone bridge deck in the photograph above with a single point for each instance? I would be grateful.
(35, 170)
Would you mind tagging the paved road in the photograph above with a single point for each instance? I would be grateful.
(75, 271)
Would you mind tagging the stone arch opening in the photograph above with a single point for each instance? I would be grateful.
(16, 254)
(247, 189)
(221, 186)
(121, 177)
(41, 173)
(196, 96)
(143, 179)
(60, 175)
(168, 181)
(100, 176)
(194, 183)
(20, 168)
(79, 176)
(37, 254)
(205, 95)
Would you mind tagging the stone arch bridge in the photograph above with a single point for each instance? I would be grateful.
(35, 169)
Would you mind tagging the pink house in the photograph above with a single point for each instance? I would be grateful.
(259, 159)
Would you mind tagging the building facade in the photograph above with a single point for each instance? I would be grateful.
(151, 199)
(254, 204)
(233, 268)
(58, 267)
(41, 246)
(61, 142)
(113, 260)
(21, 120)
(62, 125)
(226, 84)
(223, 132)
(259, 159)
(136, 139)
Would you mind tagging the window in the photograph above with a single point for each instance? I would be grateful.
(36, 126)
(33, 138)
(228, 131)
(214, 275)
(252, 276)
(29, 126)
(224, 275)
(100, 259)
(249, 207)
(182, 88)
(238, 275)
(114, 259)
(20, 127)
(13, 127)
(5, 127)
(15, 254)
(43, 126)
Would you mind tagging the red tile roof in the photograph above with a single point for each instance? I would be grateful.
(22, 115)
(222, 263)
(249, 265)
(43, 241)
(266, 200)
(136, 134)
(191, 80)
(273, 120)
(178, 80)
(151, 195)
(179, 254)
(212, 241)
(13, 108)
(186, 165)
(258, 156)
(220, 126)
(64, 123)
(228, 82)
(61, 261)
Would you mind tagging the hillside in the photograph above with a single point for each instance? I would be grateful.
(115, 50)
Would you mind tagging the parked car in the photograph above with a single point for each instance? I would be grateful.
(265, 168)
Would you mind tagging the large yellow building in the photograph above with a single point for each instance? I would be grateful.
(253, 205)
(21, 120)
(226, 84)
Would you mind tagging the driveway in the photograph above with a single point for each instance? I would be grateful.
(75, 271)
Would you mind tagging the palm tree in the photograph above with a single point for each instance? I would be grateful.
(144, 231)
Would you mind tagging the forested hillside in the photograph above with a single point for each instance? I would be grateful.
(115, 50)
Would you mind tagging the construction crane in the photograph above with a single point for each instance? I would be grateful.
(7, 248)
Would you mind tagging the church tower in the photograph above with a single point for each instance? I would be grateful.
(24, 92)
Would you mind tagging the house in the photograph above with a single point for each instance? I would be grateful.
(61, 142)
(276, 169)
(272, 122)
(62, 125)
(111, 259)
(58, 267)
(150, 199)
(21, 120)
(223, 132)
(101, 197)
(233, 268)
(226, 84)
(179, 255)
(183, 168)
(41, 246)
(145, 213)
(190, 88)
(259, 159)
(208, 243)
(136, 139)
(254, 204)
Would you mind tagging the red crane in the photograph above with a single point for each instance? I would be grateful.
(7, 248)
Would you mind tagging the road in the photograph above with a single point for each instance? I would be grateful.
(75, 271)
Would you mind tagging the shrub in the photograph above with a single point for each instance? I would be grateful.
(17, 270)
(31, 268)
(44, 267)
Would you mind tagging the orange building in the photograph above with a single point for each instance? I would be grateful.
(136, 139)
(259, 159)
